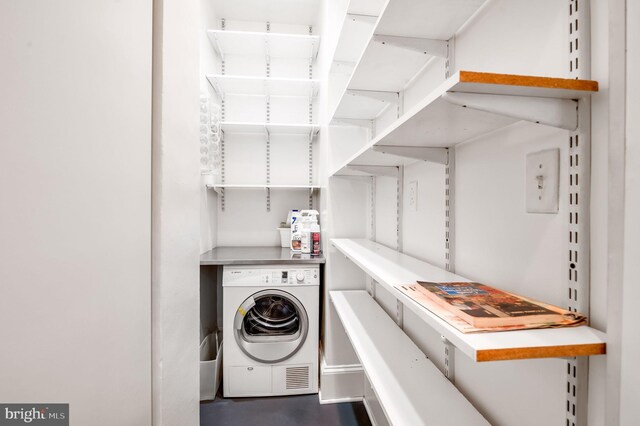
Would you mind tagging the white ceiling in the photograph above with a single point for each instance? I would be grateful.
(281, 11)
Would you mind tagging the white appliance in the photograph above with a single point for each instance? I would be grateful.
(270, 330)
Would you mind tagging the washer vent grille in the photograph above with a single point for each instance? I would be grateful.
(297, 378)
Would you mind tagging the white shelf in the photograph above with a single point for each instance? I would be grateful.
(273, 128)
(276, 45)
(365, 7)
(387, 67)
(411, 390)
(438, 121)
(263, 86)
(354, 35)
(354, 105)
(391, 268)
(260, 186)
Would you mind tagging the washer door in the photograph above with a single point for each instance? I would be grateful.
(270, 326)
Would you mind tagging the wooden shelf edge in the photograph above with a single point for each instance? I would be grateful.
(485, 355)
(527, 81)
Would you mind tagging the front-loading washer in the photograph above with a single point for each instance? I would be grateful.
(270, 330)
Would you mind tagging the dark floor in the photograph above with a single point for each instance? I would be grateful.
(299, 410)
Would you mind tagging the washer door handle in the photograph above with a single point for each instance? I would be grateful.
(242, 311)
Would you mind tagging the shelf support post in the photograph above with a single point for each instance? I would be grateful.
(371, 284)
(449, 359)
(268, 170)
(399, 207)
(449, 226)
(421, 45)
(311, 133)
(222, 169)
(372, 209)
(268, 120)
(223, 26)
(579, 180)
(561, 113)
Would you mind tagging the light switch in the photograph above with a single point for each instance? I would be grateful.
(413, 196)
(542, 181)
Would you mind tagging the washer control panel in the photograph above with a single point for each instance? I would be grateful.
(290, 276)
(274, 276)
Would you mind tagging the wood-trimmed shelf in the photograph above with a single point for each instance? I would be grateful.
(470, 104)
(410, 388)
(276, 45)
(391, 268)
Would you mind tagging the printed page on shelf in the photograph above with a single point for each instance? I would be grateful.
(474, 307)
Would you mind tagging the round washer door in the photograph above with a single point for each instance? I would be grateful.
(270, 326)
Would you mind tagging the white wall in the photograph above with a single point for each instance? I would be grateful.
(630, 380)
(617, 92)
(176, 218)
(75, 214)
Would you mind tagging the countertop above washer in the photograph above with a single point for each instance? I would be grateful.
(256, 256)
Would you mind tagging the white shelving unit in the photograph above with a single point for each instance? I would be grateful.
(263, 86)
(415, 41)
(391, 268)
(276, 45)
(262, 89)
(411, 390)
(406, 35)
(468, 105)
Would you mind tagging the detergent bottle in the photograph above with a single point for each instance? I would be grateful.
(296, 235)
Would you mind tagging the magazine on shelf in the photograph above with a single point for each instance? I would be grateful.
(472, 307)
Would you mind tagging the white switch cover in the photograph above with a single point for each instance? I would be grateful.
(413, 196)
(542, 181)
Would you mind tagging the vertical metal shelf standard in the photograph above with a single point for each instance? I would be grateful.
(579, 179)
(223, 27)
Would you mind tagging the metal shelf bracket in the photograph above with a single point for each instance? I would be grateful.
(426, 46)
(434, 155)
(561, 113)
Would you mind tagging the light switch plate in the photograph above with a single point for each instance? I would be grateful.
(413, 195)
(542, 181)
